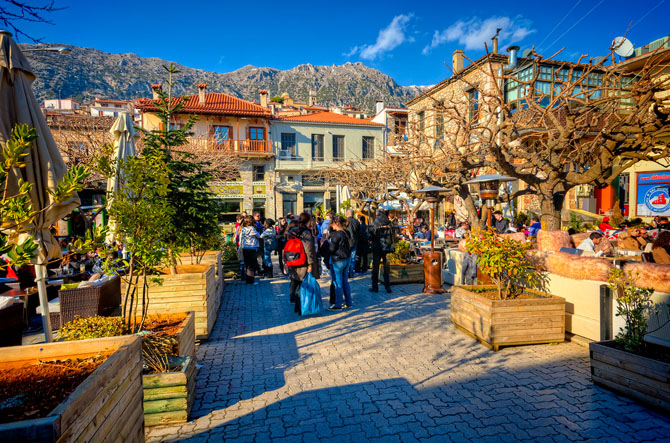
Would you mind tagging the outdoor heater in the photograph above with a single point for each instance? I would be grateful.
(488, 189)
(432, 261)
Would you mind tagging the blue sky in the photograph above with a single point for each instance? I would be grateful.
(410, 41)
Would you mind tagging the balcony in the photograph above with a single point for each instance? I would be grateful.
(251, 148)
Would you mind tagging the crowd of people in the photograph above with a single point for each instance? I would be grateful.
(336, 245)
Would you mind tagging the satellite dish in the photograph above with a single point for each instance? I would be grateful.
(623, 47)
(526, 52)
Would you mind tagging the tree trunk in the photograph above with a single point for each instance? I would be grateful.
(469, 203)
(551, 205)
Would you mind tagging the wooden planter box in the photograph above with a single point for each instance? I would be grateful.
(168, 397)
(193, 288)
(231, 266)
(404, 273)
(498, 323)
(640, 378)
(107, 405)
(185, 335)
(209, 258)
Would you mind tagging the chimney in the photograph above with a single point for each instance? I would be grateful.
(202, 93)
(512, 58)
(379, 107)
(312, 98)
(495, 41)
(457, 61)
(264, 97)
(156, 88)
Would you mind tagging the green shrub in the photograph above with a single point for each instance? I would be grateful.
(229, 251)
(91, 327)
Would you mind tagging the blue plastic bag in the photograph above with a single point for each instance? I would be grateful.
(310, 295)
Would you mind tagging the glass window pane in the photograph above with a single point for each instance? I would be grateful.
(368, 148)
(338, 148)
(288, 144)
(317, 147)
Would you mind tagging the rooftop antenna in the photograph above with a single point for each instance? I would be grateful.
(600, 59)
(526, 52)
(623, 47)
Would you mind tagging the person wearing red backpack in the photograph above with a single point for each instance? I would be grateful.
(299, 256)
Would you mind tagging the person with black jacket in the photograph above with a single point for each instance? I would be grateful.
(363, 247)
(353, 228)
(299, 229)
(381, 234)
(281, 228)
(340, 260)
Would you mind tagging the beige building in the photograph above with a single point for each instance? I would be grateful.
(308, 142)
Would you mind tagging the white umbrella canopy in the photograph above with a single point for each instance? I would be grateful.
(124, 135)
(45, 165)
(345, 194)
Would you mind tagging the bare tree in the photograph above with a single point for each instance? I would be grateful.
(14, 13)
(223, 164)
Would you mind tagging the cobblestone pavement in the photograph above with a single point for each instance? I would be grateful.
(393, 368)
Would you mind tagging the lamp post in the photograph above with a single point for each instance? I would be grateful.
(488, 189)
(432, 261)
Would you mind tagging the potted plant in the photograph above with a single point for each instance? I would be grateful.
(513, 310)
(629, 364)
(401, 269)
(230, 262)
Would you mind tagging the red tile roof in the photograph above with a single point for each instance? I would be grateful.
(216, 103)
(331, 117)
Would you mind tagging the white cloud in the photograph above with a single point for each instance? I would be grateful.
(388, 39)
(472, 34)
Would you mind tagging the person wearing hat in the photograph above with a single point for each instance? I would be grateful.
(605, 226)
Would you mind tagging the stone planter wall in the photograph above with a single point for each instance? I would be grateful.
(105, 406)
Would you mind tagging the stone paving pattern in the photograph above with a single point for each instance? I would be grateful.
(393, 368)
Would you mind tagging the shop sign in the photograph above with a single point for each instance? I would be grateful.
(227, 190)
(259, 189)
(653, 193)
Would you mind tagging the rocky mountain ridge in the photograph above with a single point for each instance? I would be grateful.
(87, 73)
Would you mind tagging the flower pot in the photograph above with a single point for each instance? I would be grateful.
(641, 378)
(404, 273)
(510, 322)
(193, 288)
(168, 396)
(107, 403)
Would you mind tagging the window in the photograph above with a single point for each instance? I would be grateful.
(439, 125)
(420, 117)
(312, 199)
(338, 148)
(259, 206)
(310, 180)
(173, 126)
(259, 173)
(288, 144)
(221, 134)
(368, 148)
(317, 147)
(230, 209)
(473, 105)
(399, 128)
(289, 204)
(256, 133)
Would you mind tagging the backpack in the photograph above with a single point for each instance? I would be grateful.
(270, 242)
(294, 253)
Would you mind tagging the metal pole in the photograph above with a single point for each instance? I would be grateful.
(489, 209)
(432, 227)
(40, 279)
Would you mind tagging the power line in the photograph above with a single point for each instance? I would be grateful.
(559, 24)
(648, 12)
(576, 23)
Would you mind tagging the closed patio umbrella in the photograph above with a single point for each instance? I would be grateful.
(124, 146)
(45, 164)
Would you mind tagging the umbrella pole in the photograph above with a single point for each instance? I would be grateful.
(40, 278)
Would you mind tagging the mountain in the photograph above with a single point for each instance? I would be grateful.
(87, 73)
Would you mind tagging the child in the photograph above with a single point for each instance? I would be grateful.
(269, 237)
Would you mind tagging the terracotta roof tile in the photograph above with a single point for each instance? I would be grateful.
(331, 117)
(216, 103)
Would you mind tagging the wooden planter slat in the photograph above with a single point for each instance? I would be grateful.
(508, 322)
(110, 395)
(179, 293)
(640, 378)
(210, 258)
(175, 391)
(404, 273)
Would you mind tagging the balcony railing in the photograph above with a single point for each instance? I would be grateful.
(243, 147)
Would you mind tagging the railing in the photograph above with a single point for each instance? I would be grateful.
(253, 147)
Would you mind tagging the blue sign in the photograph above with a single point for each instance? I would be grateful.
(653, 193)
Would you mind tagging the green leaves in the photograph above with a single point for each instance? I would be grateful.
(634, 305)
(505, 261)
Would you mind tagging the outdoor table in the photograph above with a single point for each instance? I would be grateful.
(24, 295)
(619, 260)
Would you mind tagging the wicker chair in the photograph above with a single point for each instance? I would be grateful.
(87, 302)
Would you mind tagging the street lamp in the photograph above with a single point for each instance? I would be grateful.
(488, 189)
(432, 262)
